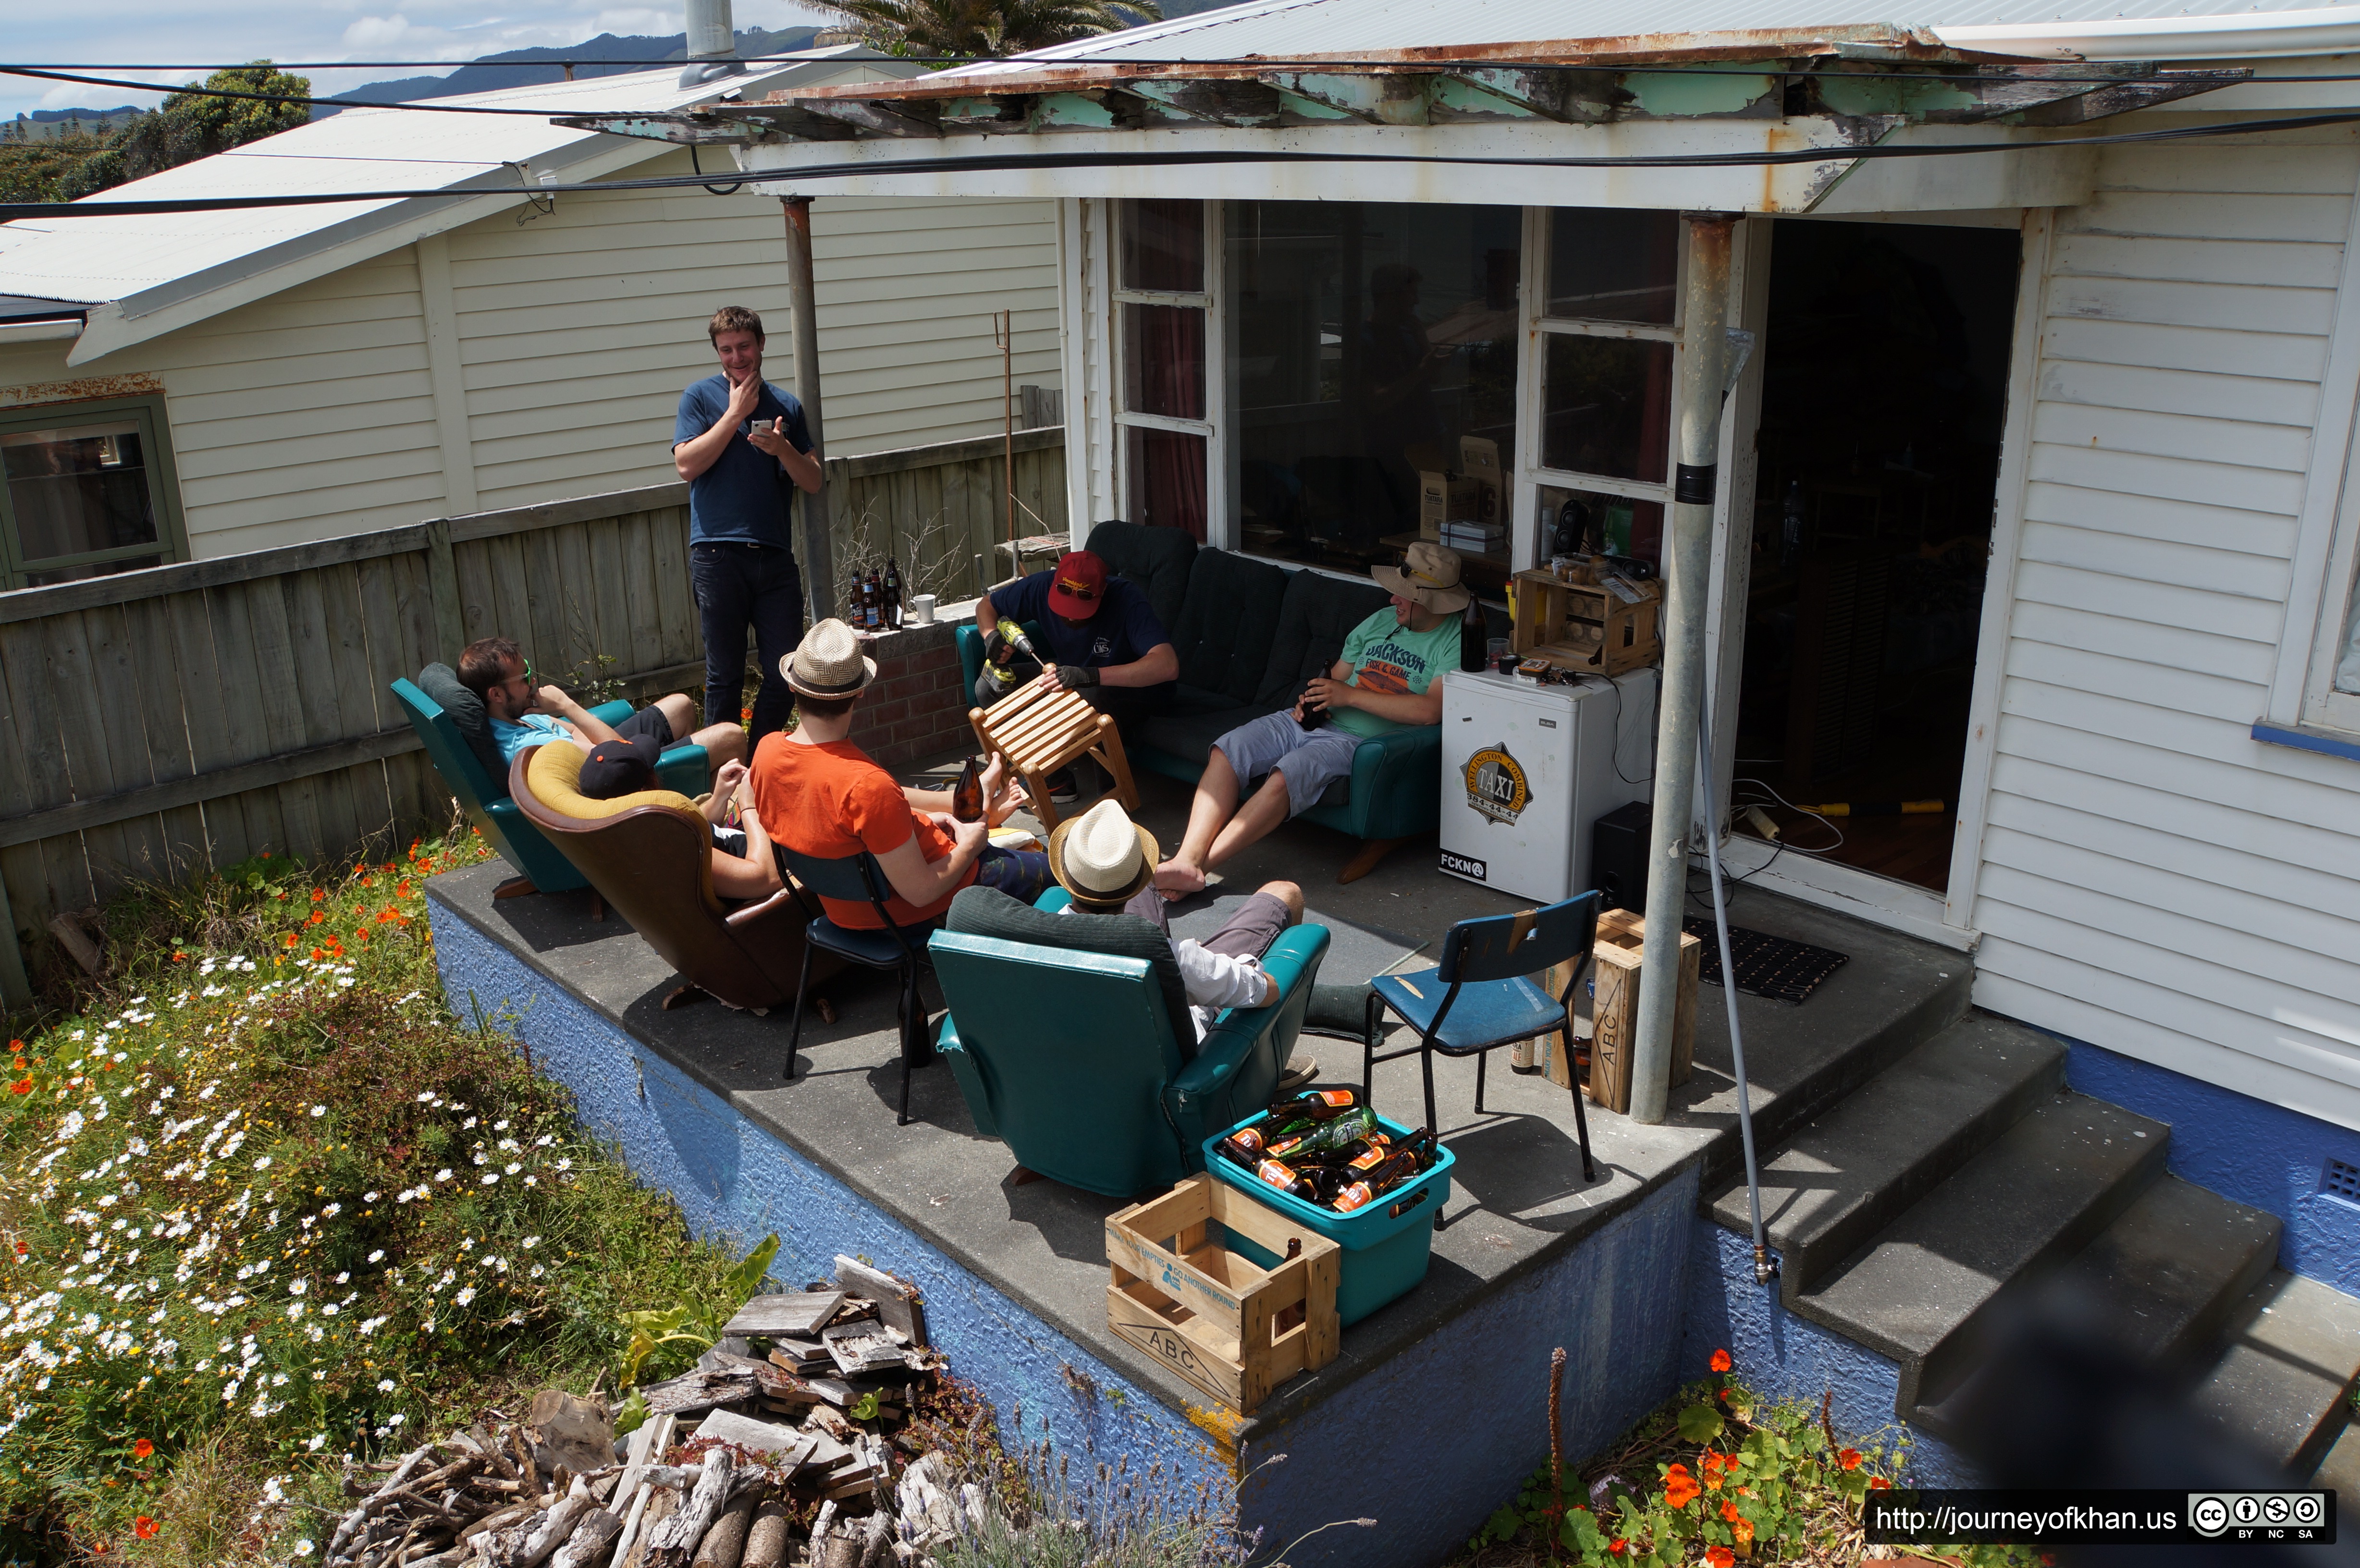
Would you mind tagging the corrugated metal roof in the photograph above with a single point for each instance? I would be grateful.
(92, 260)
(1336, 30)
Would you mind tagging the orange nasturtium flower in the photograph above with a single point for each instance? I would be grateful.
(1849, 1458)
(1618, 1547)
(319, 895)
(1744, 1530)
(289, 939)
(1879, 1484)
(1729, 1512)
(21, 1087)
(1720, 1362)
(1680, 1488)
(144, 1527)
(1720, 1556)
(142, 1449)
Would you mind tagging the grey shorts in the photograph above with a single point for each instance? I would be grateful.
(1247, 933)
(1310, 759)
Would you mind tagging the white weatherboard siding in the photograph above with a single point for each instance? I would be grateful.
(304, 415)
(578, 330)
(2152, 880)
(313, 412)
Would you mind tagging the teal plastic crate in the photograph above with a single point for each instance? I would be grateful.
(1386, 1246)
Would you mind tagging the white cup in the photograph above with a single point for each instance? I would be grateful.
(921, 609)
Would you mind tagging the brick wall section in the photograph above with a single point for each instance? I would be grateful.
(916, 707)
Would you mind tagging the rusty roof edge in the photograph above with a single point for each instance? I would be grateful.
(998, 78)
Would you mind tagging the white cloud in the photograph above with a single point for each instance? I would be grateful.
(434, 31)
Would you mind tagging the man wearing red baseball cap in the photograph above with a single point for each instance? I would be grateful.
(1100, 636)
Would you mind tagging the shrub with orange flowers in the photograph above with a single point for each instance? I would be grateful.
(1777, 1485)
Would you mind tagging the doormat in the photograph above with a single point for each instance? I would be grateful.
(1767, 965)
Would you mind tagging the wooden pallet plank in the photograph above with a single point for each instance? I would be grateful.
(610, 627)
(545, 577)
(675, 599)
(642, 596)
(312, 608)
(575, 587)
(121, 707)
(386, 644)
(74, 880)
(36, 774)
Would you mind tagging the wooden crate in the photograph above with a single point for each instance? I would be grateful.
(1585, 626)
(1614, 1013)
(1231, 1329)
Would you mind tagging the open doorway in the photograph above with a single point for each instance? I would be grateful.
(1883, 393)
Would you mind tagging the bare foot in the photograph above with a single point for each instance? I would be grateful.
(1176, 879)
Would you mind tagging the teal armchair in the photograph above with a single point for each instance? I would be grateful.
(484, 797)
(1073, 1058)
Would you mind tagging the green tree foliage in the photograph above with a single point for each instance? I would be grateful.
(973, 28)
(189, 126)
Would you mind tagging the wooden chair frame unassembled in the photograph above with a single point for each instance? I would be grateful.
(1225, 1326)
(1039, 728)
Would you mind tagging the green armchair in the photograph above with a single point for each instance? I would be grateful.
(1074, 1060)
(482, 787)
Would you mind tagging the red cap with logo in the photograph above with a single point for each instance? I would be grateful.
(1077, 587)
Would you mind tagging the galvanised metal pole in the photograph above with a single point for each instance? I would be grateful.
(817, 547)
(1680, 705)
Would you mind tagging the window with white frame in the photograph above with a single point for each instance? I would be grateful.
(1607, 346)
(1162, 299)
(1371, 386)
(86, 489)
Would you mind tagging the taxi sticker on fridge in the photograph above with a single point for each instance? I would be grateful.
(1496, 784)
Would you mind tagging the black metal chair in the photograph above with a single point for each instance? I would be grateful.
(1480, 998)
(852, 879)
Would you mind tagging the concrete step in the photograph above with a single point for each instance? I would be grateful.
(2033, 1198)
(1895, 994)
(2165, 1278)
(2340, 1473)
(2283, 1385)
(1849, 1172)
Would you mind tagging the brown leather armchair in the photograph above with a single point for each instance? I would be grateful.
(649, 856)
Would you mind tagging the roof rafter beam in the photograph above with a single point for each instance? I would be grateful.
(919, 118)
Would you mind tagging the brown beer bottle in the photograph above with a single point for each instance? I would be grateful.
(1287, 1179)
(966, 795)
(1243, 1146)
(1317, 1104)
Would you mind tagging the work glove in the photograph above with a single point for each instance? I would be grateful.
(1074, 677)
(997, 649)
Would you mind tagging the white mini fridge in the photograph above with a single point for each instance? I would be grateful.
(1526, 769)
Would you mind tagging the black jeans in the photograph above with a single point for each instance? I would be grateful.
(741, 586)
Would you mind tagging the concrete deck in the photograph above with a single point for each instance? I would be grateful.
(1529, 1257)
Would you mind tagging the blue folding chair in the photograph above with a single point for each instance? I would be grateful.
(1478, 998)
(851, 879)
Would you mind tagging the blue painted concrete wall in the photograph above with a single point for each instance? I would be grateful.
(1432, 1441)
(1788, 1357)
(1428, 1442)
(2244, 1150)
(736, 1182)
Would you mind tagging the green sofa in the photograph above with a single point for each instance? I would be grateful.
(1075, 1059)
(1249, 634)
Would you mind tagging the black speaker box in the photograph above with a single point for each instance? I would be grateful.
(1618, 857)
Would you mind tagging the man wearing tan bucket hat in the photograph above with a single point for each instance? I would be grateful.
(1263, 772)
(820, 795)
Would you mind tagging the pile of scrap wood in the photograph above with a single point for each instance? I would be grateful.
(789, 1418)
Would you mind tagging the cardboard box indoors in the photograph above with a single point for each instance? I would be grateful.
(1473, 494)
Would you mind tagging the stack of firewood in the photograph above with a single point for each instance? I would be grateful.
(788, 1419)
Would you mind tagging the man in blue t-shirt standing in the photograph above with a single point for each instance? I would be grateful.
(739, 441)
(1100, 636)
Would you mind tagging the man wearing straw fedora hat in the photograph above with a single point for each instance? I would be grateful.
(1107, 863)
(820, 795)
(1385, 679)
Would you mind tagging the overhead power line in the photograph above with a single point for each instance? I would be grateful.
(1851, 69)
(261, 97)
(996, 162)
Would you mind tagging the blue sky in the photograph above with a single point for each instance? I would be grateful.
(214, 31)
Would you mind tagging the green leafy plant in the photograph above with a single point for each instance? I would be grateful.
(1717, 1474)
(695, 1320)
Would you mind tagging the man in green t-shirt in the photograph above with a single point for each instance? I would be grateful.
(1384, 681)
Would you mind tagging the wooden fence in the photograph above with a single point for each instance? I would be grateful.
(184, 718)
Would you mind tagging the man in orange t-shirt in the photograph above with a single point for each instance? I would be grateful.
(820, 795)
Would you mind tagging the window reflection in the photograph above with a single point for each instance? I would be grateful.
(1164, 360)
(1374, 373)
(78, 490)
(1608, 406)
(1167, 479)
(1163, 247)
(1609, 263)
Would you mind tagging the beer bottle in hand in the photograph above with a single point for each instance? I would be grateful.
(966, 795)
